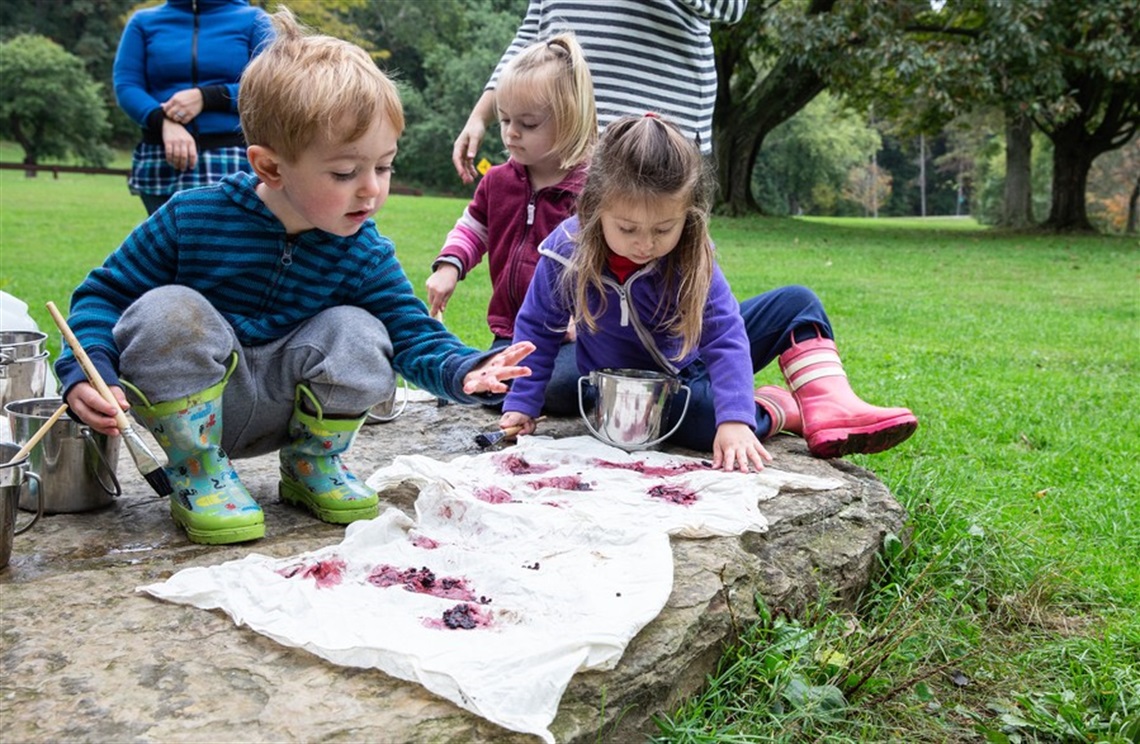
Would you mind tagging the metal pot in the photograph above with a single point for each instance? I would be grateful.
(23, 365)
(13, 476)
(76, 465)
(631, 406)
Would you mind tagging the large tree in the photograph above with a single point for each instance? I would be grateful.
(49, 104)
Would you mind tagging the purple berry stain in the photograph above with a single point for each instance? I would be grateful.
(561, 482)
(517, 465)
(493, 495)
(423, 581)
(674, 494)
(460, 617)
(326, 573)
(655, 471)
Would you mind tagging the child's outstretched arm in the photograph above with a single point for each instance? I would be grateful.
(489, 376)
(736, 447)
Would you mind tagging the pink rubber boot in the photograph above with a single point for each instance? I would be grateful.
(782, 409)
(836, 421)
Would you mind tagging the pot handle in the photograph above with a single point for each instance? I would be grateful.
(626, 447)
(89, 441)
(39, 503)
(373, 418)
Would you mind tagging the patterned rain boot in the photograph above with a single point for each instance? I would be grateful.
(836, 421)
(782, 409)
(209, 501)
(312, 473)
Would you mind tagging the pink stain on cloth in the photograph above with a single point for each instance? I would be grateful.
(544, 591)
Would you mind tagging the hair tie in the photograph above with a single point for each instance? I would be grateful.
(652, 115)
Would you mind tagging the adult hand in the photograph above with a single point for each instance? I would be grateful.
(183, 106)
(181, 150)
(86, 402)
(440, 287)
(735, 447)
(465, 149)
(514, 418)
(488, 377)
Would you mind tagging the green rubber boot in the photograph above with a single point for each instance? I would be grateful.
(209, 501)
(312, 473)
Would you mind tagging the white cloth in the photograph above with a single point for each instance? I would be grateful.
(551, 580)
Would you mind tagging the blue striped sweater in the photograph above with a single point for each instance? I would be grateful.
(223, 241)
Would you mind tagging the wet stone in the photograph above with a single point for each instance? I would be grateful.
(83, 657)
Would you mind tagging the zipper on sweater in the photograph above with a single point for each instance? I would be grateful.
(287, 253)
(194, 47)
(630, 318)
(531, 208)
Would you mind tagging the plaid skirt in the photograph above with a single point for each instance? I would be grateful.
(151, 174)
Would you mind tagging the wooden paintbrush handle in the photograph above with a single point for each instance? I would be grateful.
(88, 366)
(39, 434)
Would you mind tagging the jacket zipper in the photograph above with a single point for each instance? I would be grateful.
(630, 318)
(531, 208)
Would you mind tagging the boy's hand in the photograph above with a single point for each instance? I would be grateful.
(514, 418)
(488, 377)
(736, 446)
(440, 287)
(92, 410)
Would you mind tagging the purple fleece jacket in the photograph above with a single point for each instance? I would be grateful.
(630, 332)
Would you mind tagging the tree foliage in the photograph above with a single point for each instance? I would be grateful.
(49, 104)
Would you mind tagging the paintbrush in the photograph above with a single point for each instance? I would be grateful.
(146, 462)
(38, 435)
(490, 438)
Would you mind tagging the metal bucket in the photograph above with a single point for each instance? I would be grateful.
(23, 365)
(76, 465)
(13, 476)
(631, 406)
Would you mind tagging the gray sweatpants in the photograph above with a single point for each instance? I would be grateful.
(173, 343)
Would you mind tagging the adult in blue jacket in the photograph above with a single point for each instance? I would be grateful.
(176, 75)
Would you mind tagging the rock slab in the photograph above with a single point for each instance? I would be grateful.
(83, 657)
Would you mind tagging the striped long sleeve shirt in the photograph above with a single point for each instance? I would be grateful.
(644, 55)
(222, 241)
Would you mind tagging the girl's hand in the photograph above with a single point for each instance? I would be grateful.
(84, 400)
(488, 377)
(183, 106)
(514, 418)
(181, 150)
(736, 447)
(440, 287)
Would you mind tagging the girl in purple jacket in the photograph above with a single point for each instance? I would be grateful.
(635, 273)
(545, 101)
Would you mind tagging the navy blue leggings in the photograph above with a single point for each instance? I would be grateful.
(770, 320)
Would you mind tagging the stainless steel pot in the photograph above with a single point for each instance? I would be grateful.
(631, 406)
(23, 365)
(13, 477)
(76, 466)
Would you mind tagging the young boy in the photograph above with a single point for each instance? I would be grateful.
(271, 302)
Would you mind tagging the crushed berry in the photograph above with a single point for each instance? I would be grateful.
(460, 617)
(655, 471)
(516, 465)
(421, 581)
(561, 482)
(674, 494)
(425, 542)
(325, 573)
(493, 495)
(532, 567)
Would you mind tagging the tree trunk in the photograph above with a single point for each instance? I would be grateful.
(1133, 198)
(1072, 158)
(748, 108)
(1017, 205)
(740, 131)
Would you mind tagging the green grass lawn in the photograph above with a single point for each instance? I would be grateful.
(1009, 610)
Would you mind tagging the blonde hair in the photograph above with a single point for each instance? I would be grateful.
(647, 158)
(553, 73)
(305, 85)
